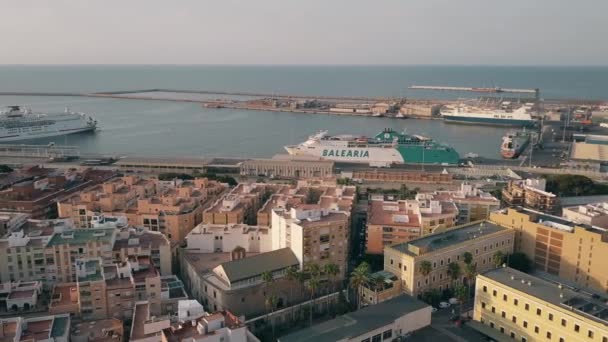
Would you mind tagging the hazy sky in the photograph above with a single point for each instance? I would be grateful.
(507, 32)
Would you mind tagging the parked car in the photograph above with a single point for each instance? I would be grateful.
(453, 301)
(444, 305)
(433, 309)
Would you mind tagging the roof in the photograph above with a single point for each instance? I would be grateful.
(359, 322)
(584, 303)
(435, 242)
(82, 236)
(250, 267)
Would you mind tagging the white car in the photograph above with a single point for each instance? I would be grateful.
(433, 309)
(444, 305)
(453, 301)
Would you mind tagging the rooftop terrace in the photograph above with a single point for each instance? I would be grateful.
(82, 236)
(435, 242)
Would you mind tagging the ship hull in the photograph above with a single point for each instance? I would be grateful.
(378, 156)
(44, 134)
(489, 121)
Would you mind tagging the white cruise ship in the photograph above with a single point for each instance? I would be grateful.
(20, 123)
(466, 114)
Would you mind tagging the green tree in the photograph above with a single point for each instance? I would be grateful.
(498, 258)
(314, 270)
(5, 168)
(432, 297)
(454, 271)
(520, 261)
(358, 278)
(425, 267)
(468, 258)
(470, 271)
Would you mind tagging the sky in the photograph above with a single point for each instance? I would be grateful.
(334, 32)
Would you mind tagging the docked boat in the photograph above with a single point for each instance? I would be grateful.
(386, 148)
(514, 143)
(502, 117)
(20, 123)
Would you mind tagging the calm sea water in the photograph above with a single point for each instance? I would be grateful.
(167, 128)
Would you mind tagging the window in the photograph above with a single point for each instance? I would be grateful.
(485, 288)
(604, 339)
(503, 314)
(483, 305)
(525, 324)
(527, 306)
(548, 335)
(590, 334)
(366, 340)
(536, 329)
(515, 302)
(376, 338)
(523, 339)
(502, 330)
(387, 334)
(539, 311)
(514, 319)
(512, 334)
(577, 327)
(493, 310)
(494, 293)
(564, 323)
(504, 297)
(491, 324)
(550, 316)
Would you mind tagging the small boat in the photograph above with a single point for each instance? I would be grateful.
(514, 143)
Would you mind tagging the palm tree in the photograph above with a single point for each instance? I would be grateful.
(358, 277)
(331, 270)
(271, 303)
(267, 279)
(292, 277)
(460, 292)
(378, 285)
(470, 270)
(498, 258)
(468, 258)
(425, 267)
(454, 271)
(313, 285)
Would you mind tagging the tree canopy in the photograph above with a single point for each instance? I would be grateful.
(574, 185)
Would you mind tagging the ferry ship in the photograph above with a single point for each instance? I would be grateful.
(514, 143)
(20, 123)
(383, 150)
(465, 114)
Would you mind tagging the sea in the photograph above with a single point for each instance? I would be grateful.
(159, 128)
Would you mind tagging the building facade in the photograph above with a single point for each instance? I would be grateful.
(525, 308)
(530, 193)
(482, 239)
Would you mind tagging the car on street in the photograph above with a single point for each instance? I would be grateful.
(444, 305)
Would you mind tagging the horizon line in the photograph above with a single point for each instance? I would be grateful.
(309, 65)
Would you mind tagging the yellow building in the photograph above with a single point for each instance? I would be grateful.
(558, 246)
(527, 308)
(482, 239)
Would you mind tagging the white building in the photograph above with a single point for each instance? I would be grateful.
(594, 214)
(221, 238)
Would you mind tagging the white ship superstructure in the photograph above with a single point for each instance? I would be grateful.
(19, 123)
(469, 114)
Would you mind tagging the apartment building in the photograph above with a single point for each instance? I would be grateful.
(10, 221)
(315, 234)
(523, 307)
(472, 203)
(390, 221)
(191, 324)
(37, 196)
(530, 193)
(240, 205)
(559, 247)
(106, 330)
(111, 290)
(42, 328)
(20, 295)
(481, 239)
(172, 208)
(46, 250)
(592, 214)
